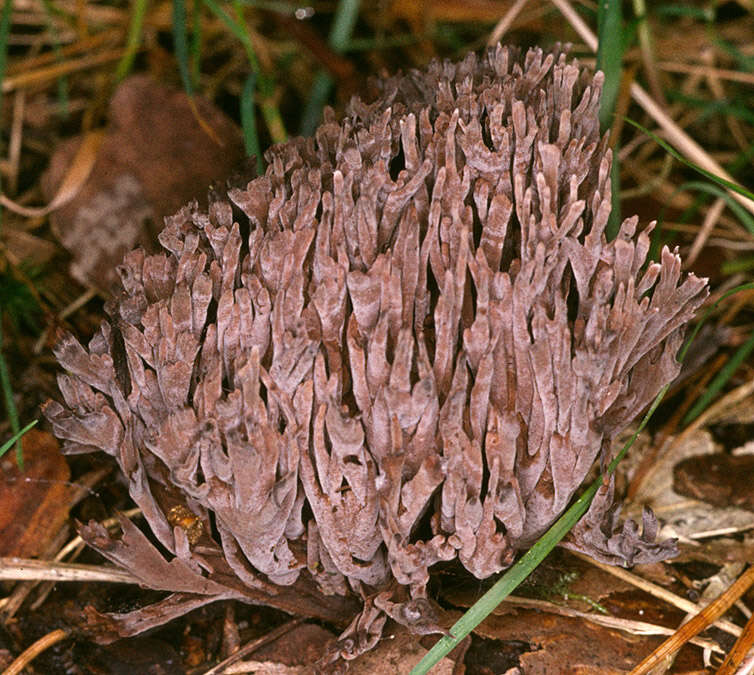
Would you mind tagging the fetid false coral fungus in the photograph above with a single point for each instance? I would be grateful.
(406, 343)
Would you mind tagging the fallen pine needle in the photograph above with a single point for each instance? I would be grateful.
(29, 654)
(740, 650)
(701, 621)
(626, 625)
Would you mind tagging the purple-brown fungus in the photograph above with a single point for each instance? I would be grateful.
(406, 343)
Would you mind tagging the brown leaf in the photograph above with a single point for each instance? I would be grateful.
(719, 479)
(565, 645)
(399, 652)
(34, 503)
(682, 516)
(301, 646)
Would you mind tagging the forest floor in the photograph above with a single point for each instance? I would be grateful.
(79, 117)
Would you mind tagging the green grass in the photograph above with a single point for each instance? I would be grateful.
(610, 61)
(5, 384)
(346, 13)
(181, 46)
(133, 42)
(16, 439)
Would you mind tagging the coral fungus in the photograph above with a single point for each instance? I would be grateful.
(406, 343)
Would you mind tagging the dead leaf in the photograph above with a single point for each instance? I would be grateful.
(35, 503)
(718, 479)
(24, 246)
(300, 647)
(683, 516)
(559, 644)
(397, 652)
(156, 155)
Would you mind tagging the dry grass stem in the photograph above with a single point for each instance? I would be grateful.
(647, 52)
(722, 73)
(502, 26)
(14, 143)
(740, 650)
(674, 133)
(251, 647)
(28, 569)
(719, 408)
(710, 220)
(43, 76)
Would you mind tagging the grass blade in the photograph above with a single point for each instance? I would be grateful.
(609, 61)
(180, 44)
(249, 122)
(746, 219)
(16, 438)
(730, 185)
(135, 29)
(237, 29)
(196, 42)
(719, 381)
(10, 404)
(609, 55)
(344, 20)
(265, 86)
